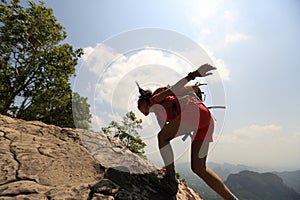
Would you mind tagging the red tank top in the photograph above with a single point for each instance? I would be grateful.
(167, 109)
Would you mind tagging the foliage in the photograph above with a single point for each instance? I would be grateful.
(35, 66)
(179, 177)
(81, 111)
(127, 133)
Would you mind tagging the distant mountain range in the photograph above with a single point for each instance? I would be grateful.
(250, 185)
(239, 178)
(292, 179)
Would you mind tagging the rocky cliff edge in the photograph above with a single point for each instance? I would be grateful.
(40, 161)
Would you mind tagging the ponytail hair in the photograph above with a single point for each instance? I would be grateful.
(145, 95)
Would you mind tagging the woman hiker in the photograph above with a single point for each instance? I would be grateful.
(179, 113)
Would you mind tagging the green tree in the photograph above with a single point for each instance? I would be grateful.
(127, 133)
(35, 66)
(81, 111)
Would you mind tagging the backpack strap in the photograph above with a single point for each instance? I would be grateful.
(172, 104)
(186, 136)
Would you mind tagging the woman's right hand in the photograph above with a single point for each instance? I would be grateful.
(203, 70)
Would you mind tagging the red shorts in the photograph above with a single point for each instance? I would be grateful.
(205, 133)
(200, 119)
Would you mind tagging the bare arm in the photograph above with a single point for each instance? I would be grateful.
(160, 123)
(180, 85)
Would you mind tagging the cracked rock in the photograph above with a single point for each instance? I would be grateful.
(40, 161)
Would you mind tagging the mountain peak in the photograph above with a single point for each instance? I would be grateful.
(253, 185)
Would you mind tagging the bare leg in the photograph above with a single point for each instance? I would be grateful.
(166, 153)
(198, 165)
(167, 133)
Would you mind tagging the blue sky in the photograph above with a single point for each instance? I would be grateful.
(255, 44)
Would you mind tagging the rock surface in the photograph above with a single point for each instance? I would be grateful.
(40, 161)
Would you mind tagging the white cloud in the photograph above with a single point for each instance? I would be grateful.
(229, 16)
(104, 119)
(86, 52)
(108, 79)
(251, 134)
(208, 12)
(220, 19)
(222, 68)
(147, 66)
(255, 130)
(236, 38)
(206, 31)
(97, 123)
(269, 146)
(199, 11)
(97, 58)
(231, 34)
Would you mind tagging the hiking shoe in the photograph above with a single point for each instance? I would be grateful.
(160, 173)
(170, 183)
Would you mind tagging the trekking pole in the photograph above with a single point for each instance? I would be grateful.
(215, 107)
